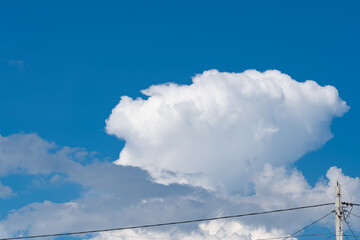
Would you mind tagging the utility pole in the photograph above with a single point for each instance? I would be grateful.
(338, 213)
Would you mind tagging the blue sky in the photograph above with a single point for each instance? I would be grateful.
(65, 64)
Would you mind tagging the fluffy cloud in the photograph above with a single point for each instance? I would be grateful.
(107, 191)
(104, 211)
(222, 129)
(232, 131)
(115, 196)
(275, 188)
(215, 230)
(288, 188)
(5, 191)
(29, 154)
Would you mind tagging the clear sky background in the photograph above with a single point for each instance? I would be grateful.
(65, 64)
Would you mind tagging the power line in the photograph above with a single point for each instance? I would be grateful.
(355, 215)
(309, 225)
(351, 204)
(168, 223)
(347, 191)
(297, 236)
(330, 236)
(350, 229)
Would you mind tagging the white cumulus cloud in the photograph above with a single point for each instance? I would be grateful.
(224, 127)
(215, 230)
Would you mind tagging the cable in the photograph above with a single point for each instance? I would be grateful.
(297, 236)
(330, 236)
(309, 225)
(346, 237)
(355, 215)
(351, 204)
(351, 235)
(350, 229)
(167, 224)
(347, 191)
(346, 213)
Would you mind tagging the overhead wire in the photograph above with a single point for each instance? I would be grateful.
(350, 230)
(350, 195)
(346, 213)
(318, 220)
(330, 236)
(171, 223)
(351, 204)
(297, 236)
(355, 215)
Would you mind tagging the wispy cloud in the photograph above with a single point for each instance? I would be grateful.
(12, 62)
(16, 62)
